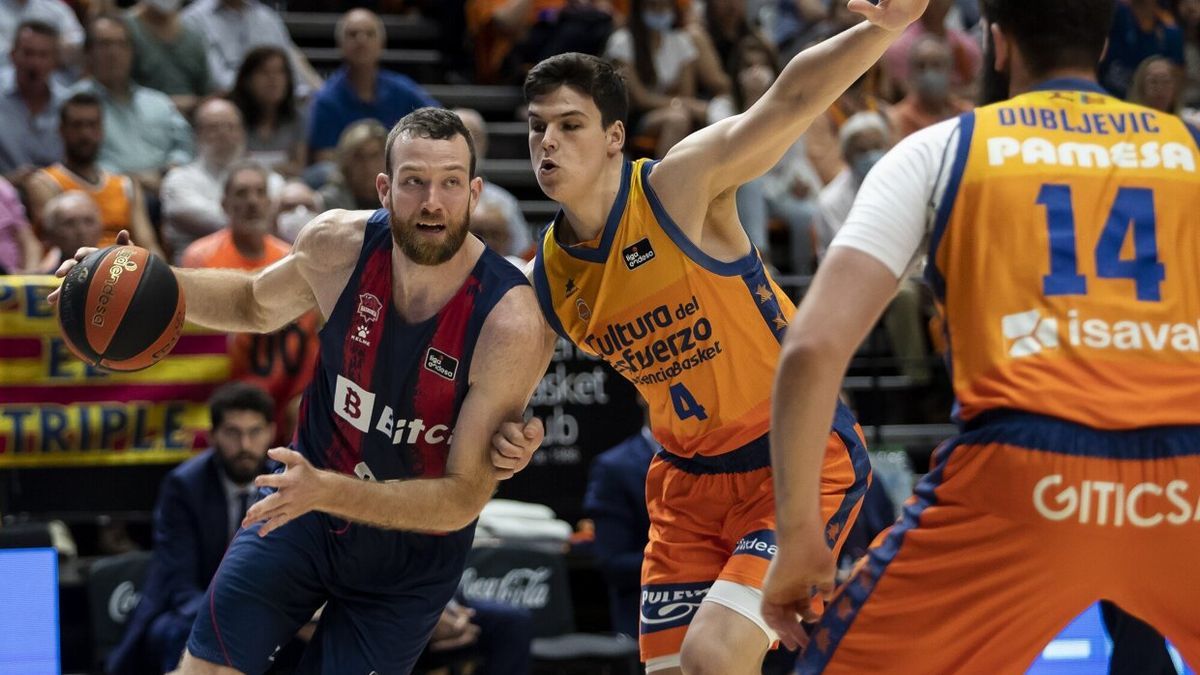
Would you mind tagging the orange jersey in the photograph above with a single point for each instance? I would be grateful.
(698, 337)
(1065, 256)
(113, 195)
(217, 250)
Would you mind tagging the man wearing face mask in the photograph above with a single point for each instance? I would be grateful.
(297, 204)
(864, 138)
(192, 193)
(929, 98)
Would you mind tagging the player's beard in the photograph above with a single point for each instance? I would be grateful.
(995, 85)
(423, 252)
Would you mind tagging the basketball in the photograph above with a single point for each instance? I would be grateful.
(121, 309)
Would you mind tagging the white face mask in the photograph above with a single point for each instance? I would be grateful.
(165, 6)
(291, 222)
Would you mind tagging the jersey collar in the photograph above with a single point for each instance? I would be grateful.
(600, 253)
(1069, 84)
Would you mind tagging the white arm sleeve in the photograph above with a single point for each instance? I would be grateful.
(894, 210)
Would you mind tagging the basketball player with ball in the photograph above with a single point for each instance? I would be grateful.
(424, 355)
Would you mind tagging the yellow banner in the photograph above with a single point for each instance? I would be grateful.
(58, 411)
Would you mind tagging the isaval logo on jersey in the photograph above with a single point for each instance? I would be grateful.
(1029, 332)
(638, 253)
(441, 363)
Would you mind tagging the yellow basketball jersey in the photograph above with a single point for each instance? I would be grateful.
(697, 336)
(1066, 257)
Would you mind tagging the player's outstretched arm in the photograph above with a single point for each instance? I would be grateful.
(847, 297)
(743, 147)
(510, 359)
(312, 274)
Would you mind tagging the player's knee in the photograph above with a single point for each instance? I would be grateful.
(706, 656)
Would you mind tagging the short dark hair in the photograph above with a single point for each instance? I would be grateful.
(240, 396)
(36, 26)
(1054, 34)
(82, 99)
(590, 75)
(244, 165)
(436, 123)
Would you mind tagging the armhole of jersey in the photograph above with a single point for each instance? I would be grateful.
(966, 128)
(342, 299)
(541, 287)
(734, 268)
(1194, 132)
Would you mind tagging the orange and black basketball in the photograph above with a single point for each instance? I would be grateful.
(121, 309)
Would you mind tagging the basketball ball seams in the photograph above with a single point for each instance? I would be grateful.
(168, 337)
(155, 290)
(71, 307)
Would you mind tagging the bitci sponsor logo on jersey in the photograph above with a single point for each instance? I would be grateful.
(357, 406)
(638, 253)
(1029, 333)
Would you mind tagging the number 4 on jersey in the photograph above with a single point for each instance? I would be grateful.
(685, 404)
(1132, 209)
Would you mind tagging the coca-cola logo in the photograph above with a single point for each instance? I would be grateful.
(122, 601)
(521, 586)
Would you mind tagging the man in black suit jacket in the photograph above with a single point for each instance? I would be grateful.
(200, 506)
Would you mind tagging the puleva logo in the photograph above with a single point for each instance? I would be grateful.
(670, 605)
(1029, 333)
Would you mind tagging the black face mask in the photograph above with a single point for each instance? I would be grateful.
(994, 86)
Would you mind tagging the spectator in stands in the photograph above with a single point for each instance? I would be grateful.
(360, 89)
(494, 201)
(144, 135)
(659, 61)
(297, 204)
(1140, 29)
(70, 221)
(53, 12)
(865, 138)
(359, 160)
(200, 506)
(231, 28)
(29, 104)
(821, 139)
(573, 26)
(19, 248)
(192, 194)
(1156, 85)
(497, 26)
(122, 206)
(616, 502)
(167, 55)
(787, 193)
(1189, 23)
(499, 634)
(929, 98)
(967, 55)
(246, 241)
(275, 126)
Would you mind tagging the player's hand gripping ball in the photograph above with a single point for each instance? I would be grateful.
(121, 309)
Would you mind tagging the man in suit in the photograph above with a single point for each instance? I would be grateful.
(200, 506)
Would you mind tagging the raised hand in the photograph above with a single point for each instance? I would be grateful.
(892, 15)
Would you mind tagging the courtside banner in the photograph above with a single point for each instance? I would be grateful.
(57, 411)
